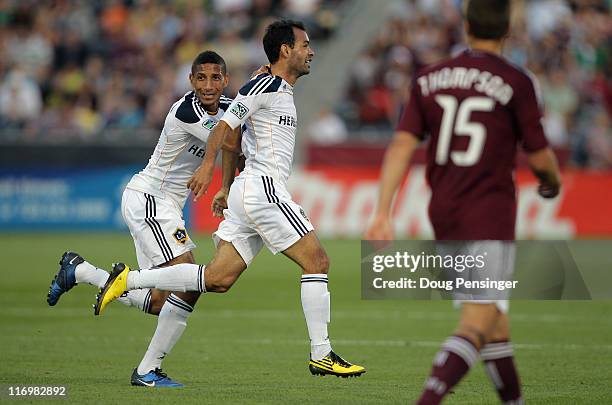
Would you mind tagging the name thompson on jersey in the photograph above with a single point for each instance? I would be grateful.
(180, 149)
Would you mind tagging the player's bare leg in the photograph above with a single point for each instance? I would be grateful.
(477, 322)
(311, 257)
(224, 269)
(498, 358)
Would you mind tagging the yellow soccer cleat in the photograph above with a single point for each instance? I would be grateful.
(333, 364)
(115, 286)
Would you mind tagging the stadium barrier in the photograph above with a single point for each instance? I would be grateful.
(63, 198)
(340, 200)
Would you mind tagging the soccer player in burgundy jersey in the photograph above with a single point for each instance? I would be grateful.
(476, 108)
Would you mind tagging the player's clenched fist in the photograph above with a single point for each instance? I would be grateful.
(199, 182)
(548, 190)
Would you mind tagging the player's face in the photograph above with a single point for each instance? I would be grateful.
(301, 54)
(208, 82)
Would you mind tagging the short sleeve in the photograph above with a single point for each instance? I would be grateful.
(241, 109)
(412, 119)
(251, 97)
(189, 117)
(528, 114)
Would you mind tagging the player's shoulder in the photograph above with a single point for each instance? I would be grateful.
(523, 74)
(448, 61)
(260, 84)
(189, 110)
(510, 70)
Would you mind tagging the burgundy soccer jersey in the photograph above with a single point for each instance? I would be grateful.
(476, 107)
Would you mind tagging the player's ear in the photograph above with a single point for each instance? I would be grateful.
(285, 50)
(226, 78)
(190, 77)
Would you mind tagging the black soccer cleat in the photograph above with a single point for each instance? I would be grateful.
(65, 278)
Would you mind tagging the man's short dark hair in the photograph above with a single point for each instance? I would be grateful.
(488, 19)
(279, 33)
(209, 57)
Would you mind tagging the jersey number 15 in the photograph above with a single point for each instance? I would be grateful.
(459, 114)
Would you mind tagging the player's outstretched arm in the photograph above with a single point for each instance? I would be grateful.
(199, 182)
(544, 165)
(231, 149)
(394, 166)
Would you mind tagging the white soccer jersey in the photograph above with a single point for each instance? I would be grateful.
(265, 105)
(180, 149)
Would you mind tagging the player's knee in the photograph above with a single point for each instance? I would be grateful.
(219, 287)
(220, 284)
(319, 264)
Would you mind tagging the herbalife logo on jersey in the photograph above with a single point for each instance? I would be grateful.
(209, 124)
(287, 120)
(239, 110)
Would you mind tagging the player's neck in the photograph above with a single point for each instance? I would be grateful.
(210, 108)
(486, 45)
(283, 72)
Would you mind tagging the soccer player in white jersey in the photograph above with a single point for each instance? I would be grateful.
(260, 210)
(152, 207)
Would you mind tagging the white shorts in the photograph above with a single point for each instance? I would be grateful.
(499, 259)
(157, 226)
(261, 212)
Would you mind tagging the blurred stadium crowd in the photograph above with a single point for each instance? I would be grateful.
(88, 67)
(567, 44)
(83, 68)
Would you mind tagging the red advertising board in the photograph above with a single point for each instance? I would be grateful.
(340, 200)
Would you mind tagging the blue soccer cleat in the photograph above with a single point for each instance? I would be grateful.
(65, 278)
(154, 379)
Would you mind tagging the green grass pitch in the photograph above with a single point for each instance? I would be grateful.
(250, 346)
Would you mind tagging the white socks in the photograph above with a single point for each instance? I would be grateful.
(90, 274)
(316, 306)
(87, 273)
(140, 299)
(180, 277)
(170, 326)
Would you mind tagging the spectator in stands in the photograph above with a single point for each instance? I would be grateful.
(600, 141)
(96, 64)
(20, 100)
(567, 43)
